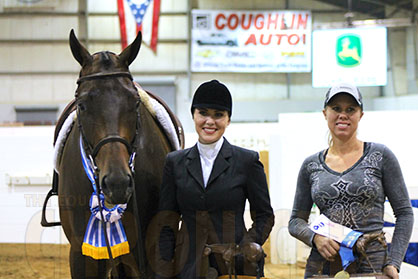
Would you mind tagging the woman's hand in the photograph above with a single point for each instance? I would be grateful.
(327, 247)
(391, 272)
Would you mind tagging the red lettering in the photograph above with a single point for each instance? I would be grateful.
(259, 21)
(265, 43)
(293, 39)
(279, 38)
(246, 27)
(293, 21)
(302, 21)
(218, 18)
(251, 40)
(233, 21)
(271, 21)
(266, 39)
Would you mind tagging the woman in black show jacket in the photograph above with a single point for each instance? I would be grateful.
(204, 191)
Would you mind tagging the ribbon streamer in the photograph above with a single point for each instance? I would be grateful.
(94, 244)
(346, 248)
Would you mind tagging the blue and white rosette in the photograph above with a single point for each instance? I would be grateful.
(94, 244)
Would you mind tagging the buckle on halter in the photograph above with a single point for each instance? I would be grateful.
(132, 162)
(93, 164)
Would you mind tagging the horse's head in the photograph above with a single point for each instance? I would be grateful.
(107, 114)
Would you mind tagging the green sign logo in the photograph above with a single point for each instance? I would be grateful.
(348, 50)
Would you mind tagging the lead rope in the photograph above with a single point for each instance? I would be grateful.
(141, 261)
(109, 250)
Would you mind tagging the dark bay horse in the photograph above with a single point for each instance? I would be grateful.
(112, 125)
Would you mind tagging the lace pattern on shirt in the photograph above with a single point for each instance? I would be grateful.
(343, 201)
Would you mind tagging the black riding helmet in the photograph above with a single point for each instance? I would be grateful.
(214, 95)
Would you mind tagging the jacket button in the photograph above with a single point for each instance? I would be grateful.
(202, 197)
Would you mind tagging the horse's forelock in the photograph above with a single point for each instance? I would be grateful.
(106, 59)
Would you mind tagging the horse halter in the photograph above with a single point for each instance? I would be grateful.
(104, 75)
(93, 151)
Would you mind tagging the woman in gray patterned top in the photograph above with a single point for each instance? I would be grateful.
(349, 183)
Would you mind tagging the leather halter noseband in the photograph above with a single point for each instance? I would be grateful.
(93, 151)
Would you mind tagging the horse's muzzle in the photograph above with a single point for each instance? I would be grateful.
(117, 189)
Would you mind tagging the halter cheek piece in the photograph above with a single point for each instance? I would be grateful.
(93, 151)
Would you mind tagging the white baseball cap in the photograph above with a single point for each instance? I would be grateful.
(344, 88)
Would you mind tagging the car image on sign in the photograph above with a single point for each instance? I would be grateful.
(217, 39)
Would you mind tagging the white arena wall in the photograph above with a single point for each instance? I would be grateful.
(26, 167)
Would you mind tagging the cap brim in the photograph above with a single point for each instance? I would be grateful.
(211, 106)
(343, 92)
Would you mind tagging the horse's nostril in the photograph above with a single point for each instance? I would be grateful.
(117, 187)
(131, 182)
(125, 181)
(104, 184)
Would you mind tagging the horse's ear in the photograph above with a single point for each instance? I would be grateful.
(80, 53)
(129, 54)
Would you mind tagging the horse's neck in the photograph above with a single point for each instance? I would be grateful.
(151, 129)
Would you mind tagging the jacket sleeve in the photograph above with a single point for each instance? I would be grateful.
(259, 200)
(396, 191)
(302, 205)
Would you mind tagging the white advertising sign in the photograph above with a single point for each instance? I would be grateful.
(251, 41)
(355, 55)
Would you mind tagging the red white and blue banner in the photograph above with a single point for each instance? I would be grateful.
(139, 15)
(251, 41)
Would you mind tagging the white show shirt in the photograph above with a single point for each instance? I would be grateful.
(208, 153)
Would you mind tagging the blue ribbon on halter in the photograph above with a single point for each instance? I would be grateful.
(94, 244)
(346, 248)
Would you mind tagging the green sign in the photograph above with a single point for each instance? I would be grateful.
(348, 50)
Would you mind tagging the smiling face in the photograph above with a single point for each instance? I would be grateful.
(210, 124)
(343, 115)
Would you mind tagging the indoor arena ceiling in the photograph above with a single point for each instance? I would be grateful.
(375, 8)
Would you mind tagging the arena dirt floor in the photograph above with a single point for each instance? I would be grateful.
(49, 261)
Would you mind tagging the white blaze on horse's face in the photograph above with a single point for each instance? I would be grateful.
(210, 124)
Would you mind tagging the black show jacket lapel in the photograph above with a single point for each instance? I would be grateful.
(221, 162)
(193, 165)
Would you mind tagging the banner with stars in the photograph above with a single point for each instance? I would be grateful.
(139, 15)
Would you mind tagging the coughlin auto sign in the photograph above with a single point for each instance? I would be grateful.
(251, 41)
(357, 55)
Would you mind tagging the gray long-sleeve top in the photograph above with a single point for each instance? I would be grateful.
(355, 198)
